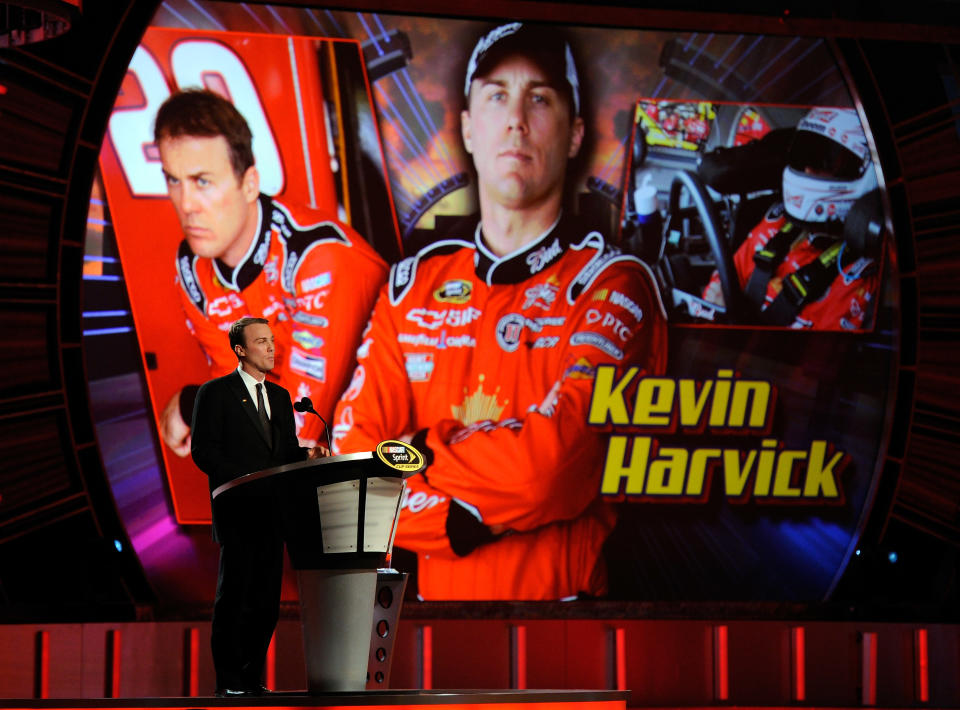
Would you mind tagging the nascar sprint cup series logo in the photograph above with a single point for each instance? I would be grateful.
(400, 456)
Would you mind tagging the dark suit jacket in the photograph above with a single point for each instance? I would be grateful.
(228, 442)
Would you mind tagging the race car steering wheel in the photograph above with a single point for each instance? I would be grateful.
(713, 231)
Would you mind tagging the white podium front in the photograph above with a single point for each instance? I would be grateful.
(339, 516)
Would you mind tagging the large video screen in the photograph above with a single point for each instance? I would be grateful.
(678, 391)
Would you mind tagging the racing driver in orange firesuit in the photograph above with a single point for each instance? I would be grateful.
(483, 351)
(245, 254)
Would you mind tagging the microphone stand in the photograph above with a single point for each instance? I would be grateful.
(306, 405)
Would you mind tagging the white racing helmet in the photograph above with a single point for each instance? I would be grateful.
(828, 166)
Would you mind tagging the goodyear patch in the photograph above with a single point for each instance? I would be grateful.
(598, 341)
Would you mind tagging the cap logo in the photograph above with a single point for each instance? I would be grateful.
(487, 41)
(495, 35)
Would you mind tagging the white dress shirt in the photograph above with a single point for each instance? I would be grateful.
(251, 382)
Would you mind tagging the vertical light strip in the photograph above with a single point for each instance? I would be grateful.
(620, 657)
(41, 687)
(112, 680)
(191, 662)
(721, 667)
(868, 662)
(798, 662)
(303, 123)
(518, 657)
(272, 662)
(425, 638)
(922, 668)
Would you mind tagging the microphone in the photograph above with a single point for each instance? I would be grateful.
(306, 405)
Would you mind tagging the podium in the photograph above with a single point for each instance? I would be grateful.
(339, 519)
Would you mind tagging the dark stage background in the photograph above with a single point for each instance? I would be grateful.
(67, 556)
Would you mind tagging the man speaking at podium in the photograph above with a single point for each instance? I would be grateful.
(243, 423)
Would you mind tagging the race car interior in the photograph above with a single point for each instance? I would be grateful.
(701, 176)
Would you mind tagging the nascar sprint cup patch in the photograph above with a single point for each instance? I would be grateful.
(400, 456)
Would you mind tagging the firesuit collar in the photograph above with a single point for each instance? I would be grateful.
(520, 265)
(250, 266)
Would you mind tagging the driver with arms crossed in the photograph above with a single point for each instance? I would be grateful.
(484, 351)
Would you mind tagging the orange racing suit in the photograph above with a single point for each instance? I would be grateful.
(849, 301)
(313, 278)
(491, 361)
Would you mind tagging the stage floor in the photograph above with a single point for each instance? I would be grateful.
(392, 699)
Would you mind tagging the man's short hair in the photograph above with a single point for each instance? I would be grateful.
(237, 336)
(545, 46)
(205, 114)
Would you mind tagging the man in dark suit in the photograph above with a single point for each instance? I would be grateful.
(244, 423)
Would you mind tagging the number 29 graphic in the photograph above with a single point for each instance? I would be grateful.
(194, 63)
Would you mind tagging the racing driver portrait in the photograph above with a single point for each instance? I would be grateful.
(482, 352)
(245, 254)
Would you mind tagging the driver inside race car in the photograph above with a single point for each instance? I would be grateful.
(799, 267)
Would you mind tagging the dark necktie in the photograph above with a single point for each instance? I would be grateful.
(262, 410)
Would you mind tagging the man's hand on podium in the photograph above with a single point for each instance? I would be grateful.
(318, 452)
